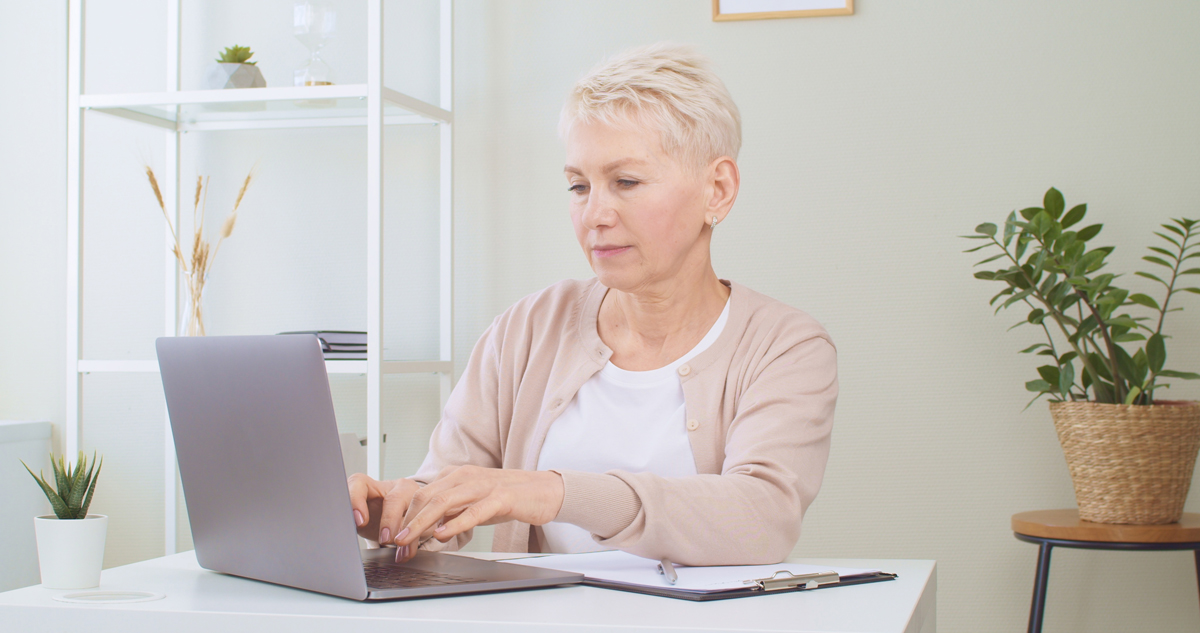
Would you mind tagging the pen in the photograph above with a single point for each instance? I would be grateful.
(667, 569)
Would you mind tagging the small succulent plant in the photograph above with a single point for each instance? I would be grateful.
(236, 55)
(75, 485)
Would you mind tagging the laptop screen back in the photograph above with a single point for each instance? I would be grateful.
(260, 461)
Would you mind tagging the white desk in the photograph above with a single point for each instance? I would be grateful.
(202, 601)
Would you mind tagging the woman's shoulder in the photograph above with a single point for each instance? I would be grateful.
(767, 318)
(552, 308)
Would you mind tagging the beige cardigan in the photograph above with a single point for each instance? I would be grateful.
(759, 404)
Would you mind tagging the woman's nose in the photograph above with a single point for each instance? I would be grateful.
(599, 212)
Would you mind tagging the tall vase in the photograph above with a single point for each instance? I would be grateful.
(191, 314)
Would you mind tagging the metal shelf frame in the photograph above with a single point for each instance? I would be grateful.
(372, 105)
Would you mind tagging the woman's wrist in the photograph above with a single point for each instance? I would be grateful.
(555, 493)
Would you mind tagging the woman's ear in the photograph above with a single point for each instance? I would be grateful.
(724, 179)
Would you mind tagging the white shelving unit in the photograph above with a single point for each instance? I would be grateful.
(176, 111)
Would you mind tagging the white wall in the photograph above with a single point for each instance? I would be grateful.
(871, 141)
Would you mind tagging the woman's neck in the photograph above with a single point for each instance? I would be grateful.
(651, 328)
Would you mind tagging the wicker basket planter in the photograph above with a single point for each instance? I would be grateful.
(1129, 464)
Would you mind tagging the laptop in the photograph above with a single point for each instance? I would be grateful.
(265, 487)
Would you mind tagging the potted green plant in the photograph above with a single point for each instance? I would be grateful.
(1131, 455)
(233, 69)
(71, 542)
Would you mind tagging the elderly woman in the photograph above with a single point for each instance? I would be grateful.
(656, 408)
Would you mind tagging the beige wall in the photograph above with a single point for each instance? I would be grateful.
(871, 141)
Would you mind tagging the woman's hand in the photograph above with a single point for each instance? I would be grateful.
(379, 506)
(464, 497)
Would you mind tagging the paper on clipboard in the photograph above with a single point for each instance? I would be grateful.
(620, 567)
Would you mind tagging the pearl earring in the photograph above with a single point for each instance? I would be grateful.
(714, 223)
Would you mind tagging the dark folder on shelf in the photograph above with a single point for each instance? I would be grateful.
(340, 344)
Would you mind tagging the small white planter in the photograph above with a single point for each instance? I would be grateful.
(222, 75)
(70, 551)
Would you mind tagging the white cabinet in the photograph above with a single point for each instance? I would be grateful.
(370, 105)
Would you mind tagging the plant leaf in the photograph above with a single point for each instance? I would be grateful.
(87, 501)
(1163, 251)
(1149, 276)
(1134, 392)
(1074, 215)
(1087, 233)
(56, 502)
(987, 229)
(1030, 213)
(1054, 203)
(1066, 378)
(60, 476)
(1186, 375)
(77, 483)
(1144, 300)
(1156, 352)
(1037, 385)
(1158, 260)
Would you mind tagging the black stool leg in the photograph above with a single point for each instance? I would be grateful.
(1197, 553)
(1038, 608)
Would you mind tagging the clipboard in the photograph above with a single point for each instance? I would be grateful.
(780, 582)
(626, 572)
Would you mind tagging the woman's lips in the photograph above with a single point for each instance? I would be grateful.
(609, 251)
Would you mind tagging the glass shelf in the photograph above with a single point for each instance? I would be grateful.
(331, 366)
(263, 108)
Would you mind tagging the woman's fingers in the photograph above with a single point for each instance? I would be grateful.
(433, 502)
(480, 513)
(395, 504)
(363, 490)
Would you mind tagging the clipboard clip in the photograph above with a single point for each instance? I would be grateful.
(786, 580)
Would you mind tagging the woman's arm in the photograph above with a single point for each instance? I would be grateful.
(776, 448)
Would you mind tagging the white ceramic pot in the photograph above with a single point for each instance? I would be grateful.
(70, 551)
(223, 75)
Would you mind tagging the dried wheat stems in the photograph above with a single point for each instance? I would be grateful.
(196, 267)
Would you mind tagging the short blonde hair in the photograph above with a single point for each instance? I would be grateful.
(669, 87)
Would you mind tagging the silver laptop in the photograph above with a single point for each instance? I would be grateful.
(265, 487)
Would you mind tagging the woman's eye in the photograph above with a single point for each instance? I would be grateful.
(626, 183)
(577, 188)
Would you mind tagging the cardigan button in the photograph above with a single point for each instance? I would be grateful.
(684, 370)
(693, 425)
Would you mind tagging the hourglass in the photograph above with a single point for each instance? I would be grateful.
(315, 25)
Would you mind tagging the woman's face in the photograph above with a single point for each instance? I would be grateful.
(638, 213)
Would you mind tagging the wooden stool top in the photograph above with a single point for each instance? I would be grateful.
(1066, 525)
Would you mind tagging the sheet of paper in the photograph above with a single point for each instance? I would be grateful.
(618, 566)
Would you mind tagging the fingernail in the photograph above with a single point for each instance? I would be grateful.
(407, 550)
(399, 554)
(403, 533)
(439, 528)
(358, 518)
(383, 536)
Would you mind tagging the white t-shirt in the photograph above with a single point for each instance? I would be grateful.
(622, 420)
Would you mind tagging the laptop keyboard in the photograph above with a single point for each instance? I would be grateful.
(389, 576)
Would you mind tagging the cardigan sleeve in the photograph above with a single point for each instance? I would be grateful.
(469, 430)
(776, 449)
